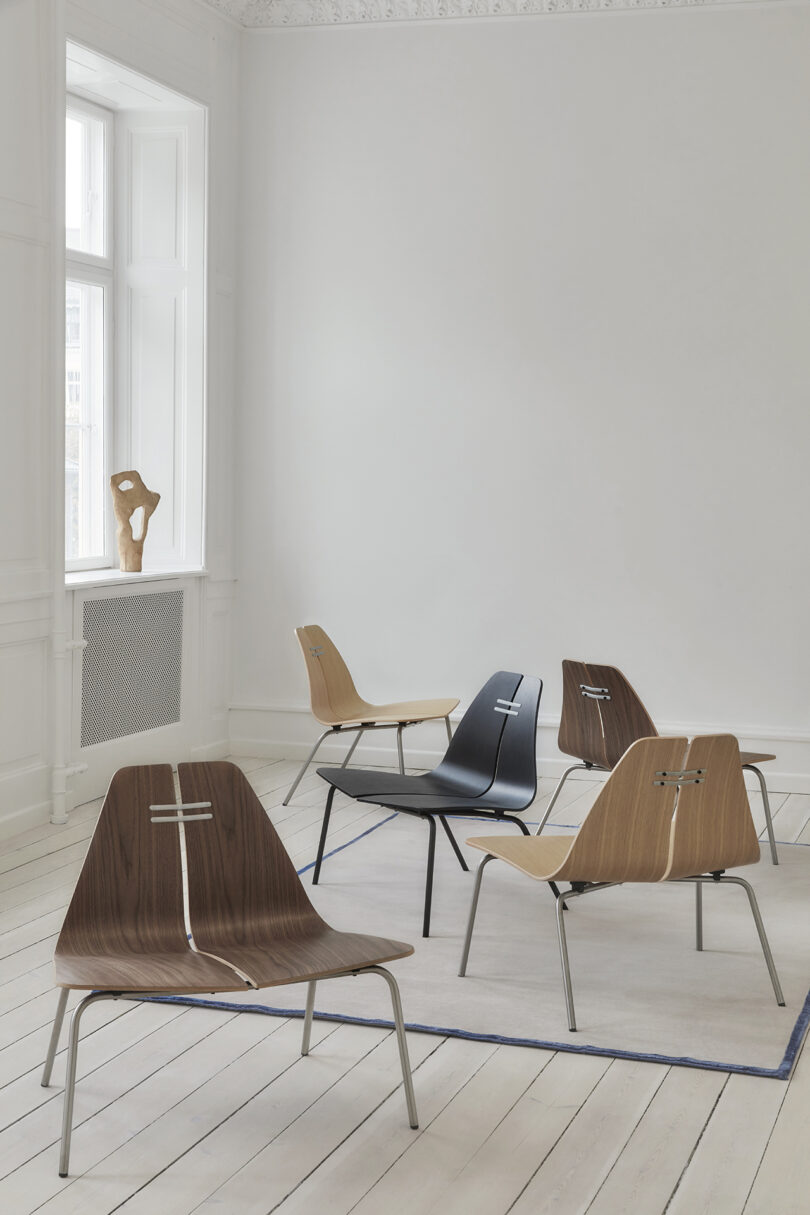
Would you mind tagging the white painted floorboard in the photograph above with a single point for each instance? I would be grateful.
(194, 1110)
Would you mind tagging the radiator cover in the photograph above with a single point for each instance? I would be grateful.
(132, 669)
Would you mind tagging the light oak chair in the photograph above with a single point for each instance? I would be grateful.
(489, 771)
(337, 704)
(669, 812)
(602, 715)
(249, 923)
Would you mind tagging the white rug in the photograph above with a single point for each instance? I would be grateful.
(641, 989)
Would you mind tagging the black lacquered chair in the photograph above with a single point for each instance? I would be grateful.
(489, 771)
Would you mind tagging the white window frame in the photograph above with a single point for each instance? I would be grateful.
(99, 270)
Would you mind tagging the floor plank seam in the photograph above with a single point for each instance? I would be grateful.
(115, 1097)
(223, 1121)
(563, 1132)
(768, 1142)
(80, 1176)
(697, 1143)
(299, 1115)
(350, 1133)
(626, 1143)
(54, 1090)
(423, 1129)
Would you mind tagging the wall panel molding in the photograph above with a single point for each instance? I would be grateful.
(31, 246)
(280, 14)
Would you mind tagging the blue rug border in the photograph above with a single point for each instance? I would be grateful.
(782, 1072)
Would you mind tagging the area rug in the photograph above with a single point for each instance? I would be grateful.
(641, 989)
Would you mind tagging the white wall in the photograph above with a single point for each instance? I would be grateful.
(31, 244)
(187, 46)
(523, 339)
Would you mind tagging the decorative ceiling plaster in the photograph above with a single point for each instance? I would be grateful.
(285, 13)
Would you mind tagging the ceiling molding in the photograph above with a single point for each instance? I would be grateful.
(285, 14)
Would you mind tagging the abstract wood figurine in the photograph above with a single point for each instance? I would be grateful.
(127, 498)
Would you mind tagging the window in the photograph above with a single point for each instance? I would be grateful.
(88, 331)
(135, 203)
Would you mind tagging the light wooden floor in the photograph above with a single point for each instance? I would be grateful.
(181, 1110)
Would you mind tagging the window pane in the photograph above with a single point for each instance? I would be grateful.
(84, 183)
(84, 414)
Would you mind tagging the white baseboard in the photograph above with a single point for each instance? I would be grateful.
(211, 750)
(24, 819)
(25, 799)
(288, 732)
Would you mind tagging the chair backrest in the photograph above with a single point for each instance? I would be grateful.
(471, 760)
(128, 900)
(602, 714)
(713, 828)
(515, 783)
(667, 810)
(626, 834)
(332, 693)
(242, 885)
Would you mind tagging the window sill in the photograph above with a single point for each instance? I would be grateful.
(80, 579)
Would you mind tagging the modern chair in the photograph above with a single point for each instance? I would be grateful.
(337, 704)
(249, 923)
(602, 715)
(669, 812)
(489, 771)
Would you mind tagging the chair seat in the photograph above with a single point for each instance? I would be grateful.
(754, 757)
(538, 856)
(319, 955)
(361, 783)
(181, 972)
(364, 713)
(495, 804)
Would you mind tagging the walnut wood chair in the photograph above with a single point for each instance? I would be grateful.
(249, 924)
(489, 771)
(337, 704)
(669, 812)
(602, 715)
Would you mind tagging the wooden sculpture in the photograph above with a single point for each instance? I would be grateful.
(127, 498)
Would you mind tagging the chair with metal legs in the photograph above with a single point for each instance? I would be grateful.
(602, 715)
(669, 812)
(489, 771)
(338, 706)
(249, 923)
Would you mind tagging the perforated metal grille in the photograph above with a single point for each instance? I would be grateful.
(133, 665)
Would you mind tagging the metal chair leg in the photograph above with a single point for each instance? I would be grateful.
(558, 790)
(454, 844)
(400, 752)
(351, 749)
(308, 1011)
(767, 806)
(70, 1078)
(698, 915)
(399, 1022)
(305, 765)
(54, 1042)
(327, 810)
(448, 728)
(429, 876)
(465, 953)
(763, 940)
(566, 968)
